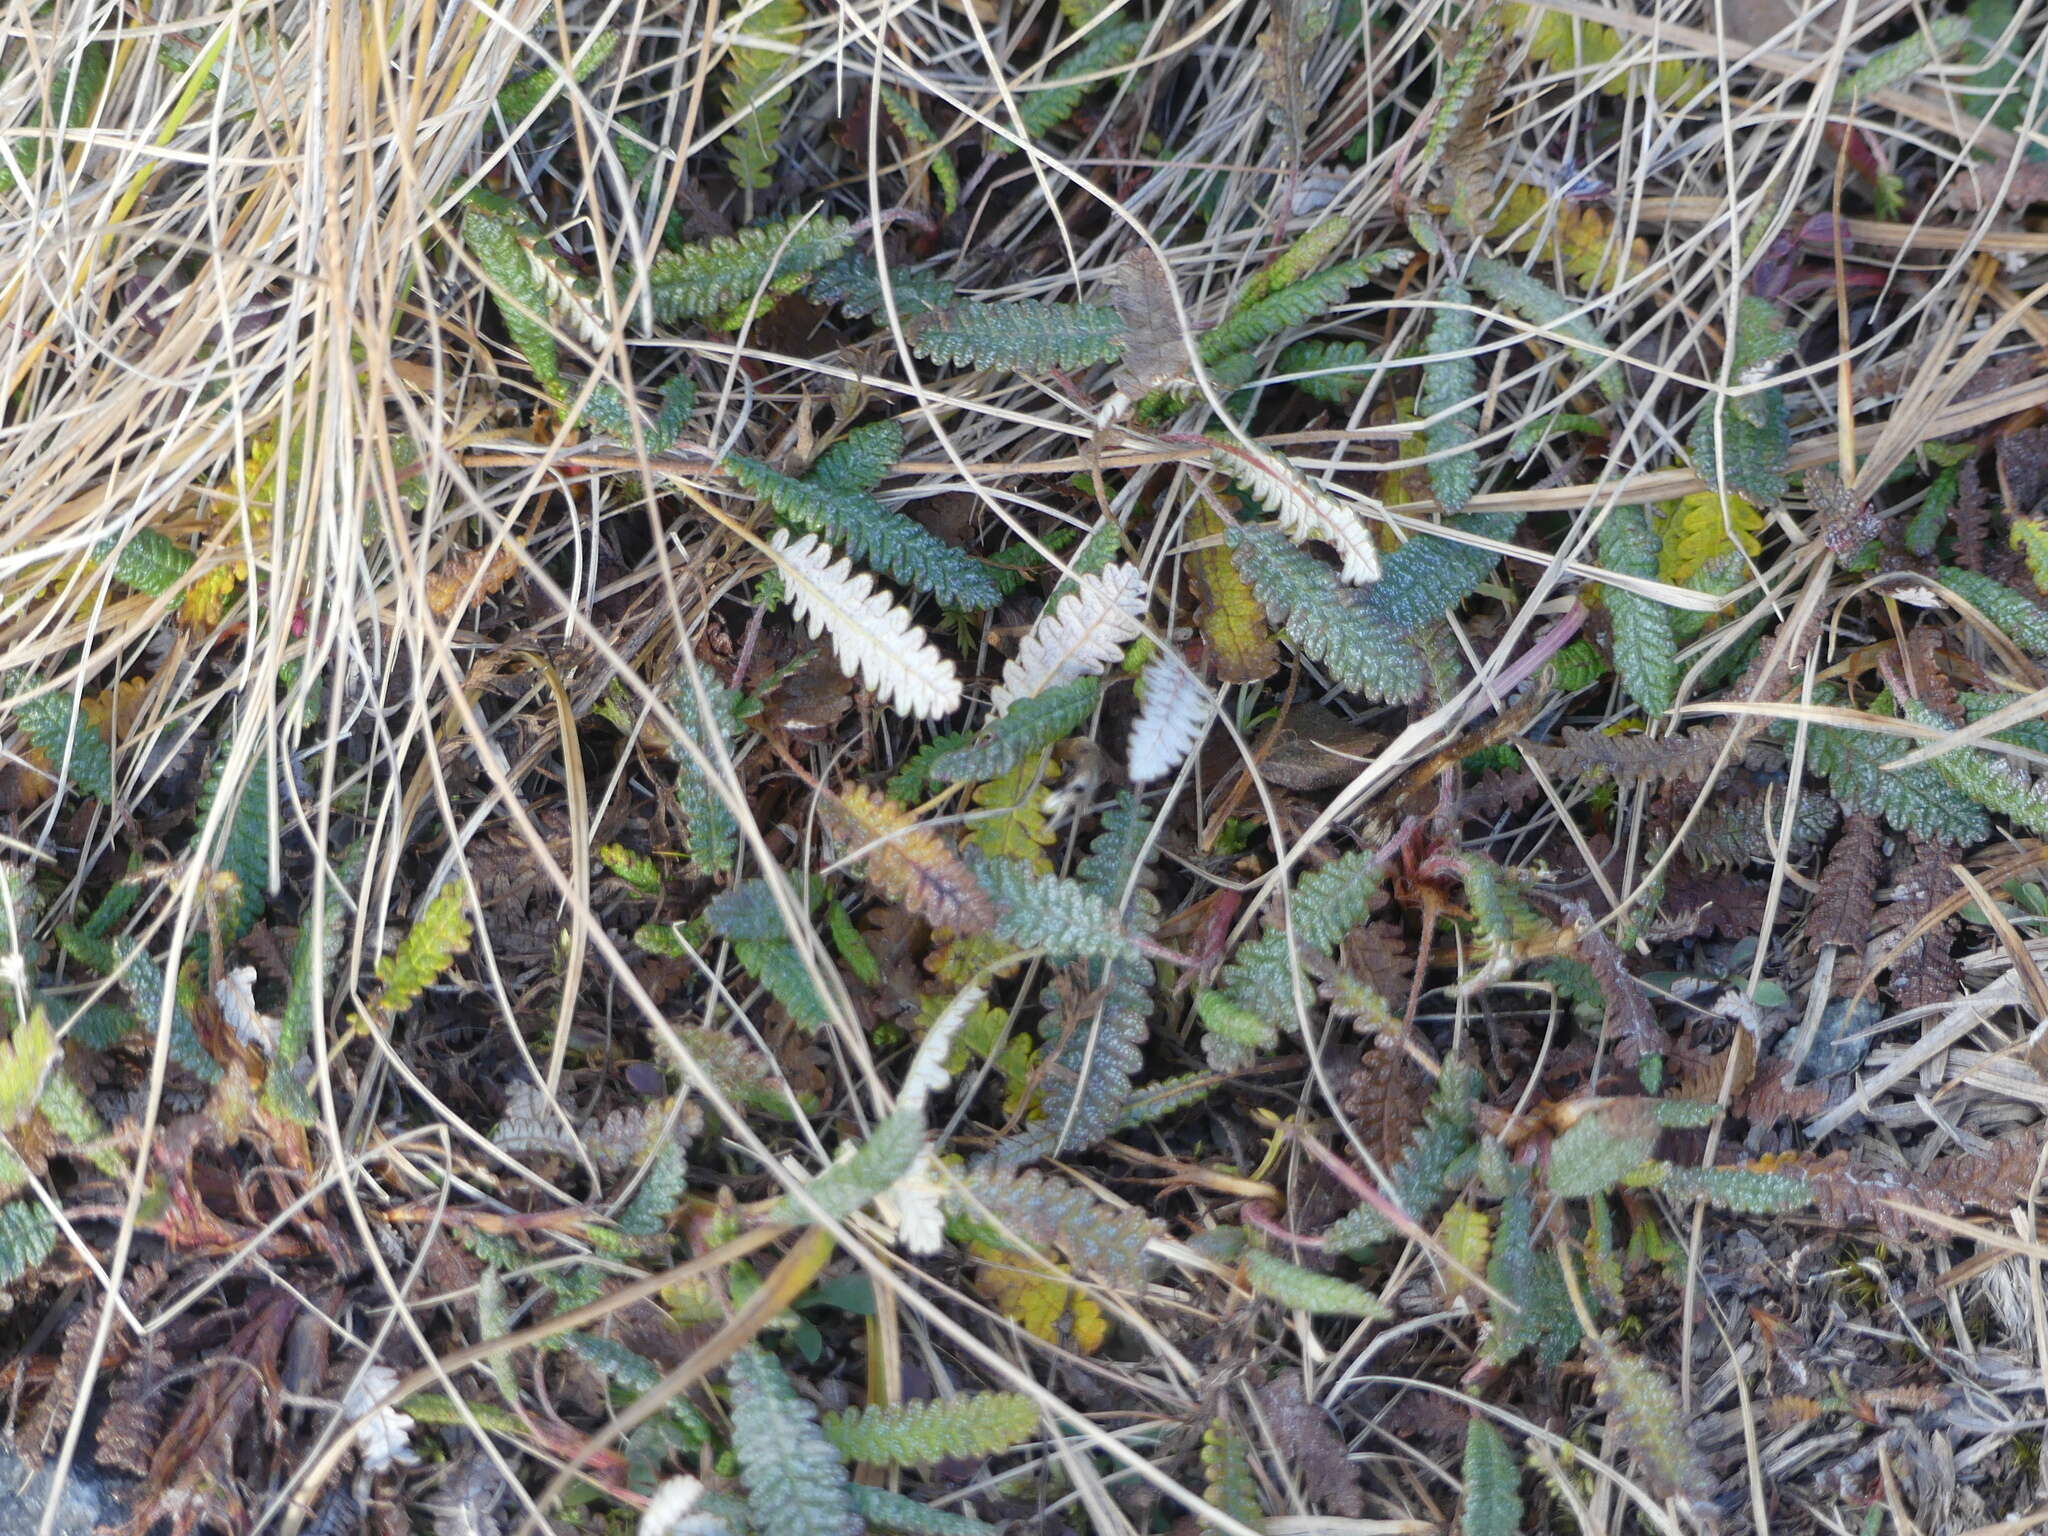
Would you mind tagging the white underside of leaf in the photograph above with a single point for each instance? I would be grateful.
(383, 1437)
(928, 1074)
(1305, 511)
(870, 631)
(914, 1207)
(576, 308)
(1173, 714)
(1085, 633)
(670, 1512)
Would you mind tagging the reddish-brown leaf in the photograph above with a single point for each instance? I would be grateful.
(1843, 908)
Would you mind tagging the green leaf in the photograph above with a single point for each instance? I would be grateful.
(711, 835)
(74, 93)
(1240, 1034)
(1650, 1421)
(857, 524)
(1895, 65)
(1443, 1138)
(1427, 576)
(1916, 800)
(425, 953)
(919, 1434)
(1599, 1152)
(873, 1169)
(144, 984)
(313, 960)
(713, 277)
(1751, 1191)
(1493, 1497)
(1325, 621)
(77, 753)
(1049, 1216)
(2018, 615)
(25, 1061)
(1028, 727)
(852, 283)
(1338, 370)
(147, 561)
(778, 966)
(1062, 917)
(904, 1516)
(1088, 1085)
(1284, 309)
(521, 95)
(1303, 1290)
(1023, 335)
(757, 90)
(1451, 384)
(1542, 305)
(861, 459)
(1327, 903)
(795, 1482)
(1105, 48)
(501, 239)
(659, 1192)
(1526, 1273)
(1302, 259)
(1227, 1479)
(1744, 452)
(243, 848)
(1645, 644)
(1987, 778)
(28, 1235)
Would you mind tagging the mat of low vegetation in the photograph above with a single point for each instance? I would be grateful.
(1084, 767)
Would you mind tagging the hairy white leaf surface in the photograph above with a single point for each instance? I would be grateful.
(568, 300)
(870, 631)
(237, 999)
(1085, 633)
(383, 1436)
(928, 1074)
(914, 1207)
(671, 1511)
(530, 1126)
(1174, 711)
(1305, 511)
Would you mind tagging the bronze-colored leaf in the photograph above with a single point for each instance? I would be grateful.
(909, 863)
(1226, 613)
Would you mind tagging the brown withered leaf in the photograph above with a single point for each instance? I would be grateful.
(1996, 1181)
(1645, 1409)
(191, 1479)
(1929, 680)
(1633, 1024)
(1978, 185)
(1315, 748)
(1305, 1432)
(1843, 908)
(1227, 615)
(1384, 1101)
(1471, 155)
(1155, 349)
(1847, 1193)
(1771, 1099)
(2023, 469)
(908, 863)
(53, 1413)
(1639, 759)
(1924, 970)
(1971, 516)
